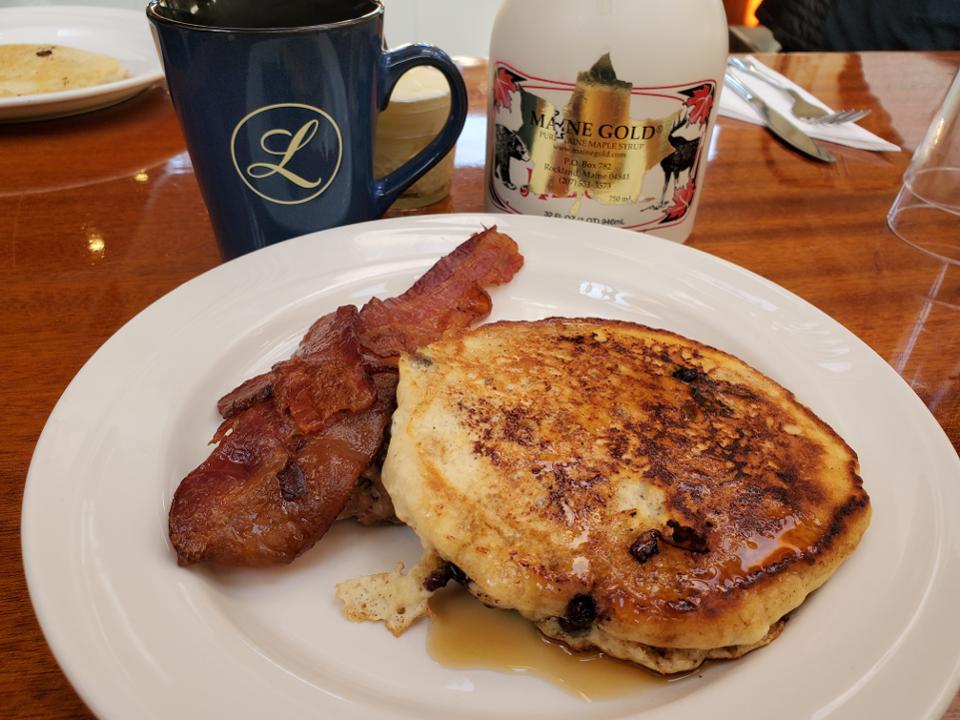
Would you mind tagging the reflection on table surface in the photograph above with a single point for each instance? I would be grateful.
(100, 215)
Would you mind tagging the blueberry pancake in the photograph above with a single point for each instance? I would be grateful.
(622, 487)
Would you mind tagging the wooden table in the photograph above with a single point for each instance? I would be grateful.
(100, 215)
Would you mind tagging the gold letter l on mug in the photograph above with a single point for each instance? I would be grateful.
(297, 141)
(264, 129)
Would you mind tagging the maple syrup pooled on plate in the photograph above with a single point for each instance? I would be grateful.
(464, 633)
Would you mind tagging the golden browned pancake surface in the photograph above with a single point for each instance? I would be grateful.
(619, 483)
(27, 69)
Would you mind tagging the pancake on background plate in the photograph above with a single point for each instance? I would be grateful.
(37, 69)
(622, 487)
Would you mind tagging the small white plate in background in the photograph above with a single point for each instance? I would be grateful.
(122, 34)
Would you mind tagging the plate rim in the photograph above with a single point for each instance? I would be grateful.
(934, 707)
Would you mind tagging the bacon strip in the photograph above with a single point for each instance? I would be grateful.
(267, 493)
(297, 438)
(447, 298)
(326, 375)
(251, 391)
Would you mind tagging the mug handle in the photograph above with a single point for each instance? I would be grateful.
(393, 64)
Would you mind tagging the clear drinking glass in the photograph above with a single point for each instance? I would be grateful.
(926, 212)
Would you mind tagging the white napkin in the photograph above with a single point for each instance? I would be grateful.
(850, 134)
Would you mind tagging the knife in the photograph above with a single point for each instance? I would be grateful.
(779, 125)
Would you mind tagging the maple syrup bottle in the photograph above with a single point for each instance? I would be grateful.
(602, 110)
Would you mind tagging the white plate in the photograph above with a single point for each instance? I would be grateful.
(123, 34)
(140, 637)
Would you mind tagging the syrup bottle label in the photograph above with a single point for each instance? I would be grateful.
(601, 150)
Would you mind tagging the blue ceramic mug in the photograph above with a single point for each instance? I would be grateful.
(279, 100)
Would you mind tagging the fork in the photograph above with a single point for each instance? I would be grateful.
(839, 117)
(801, 108)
